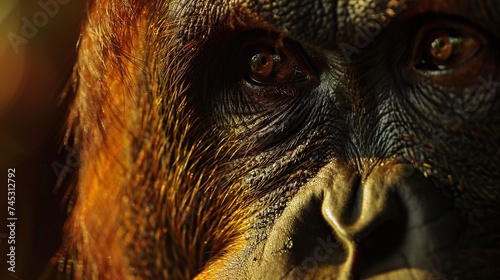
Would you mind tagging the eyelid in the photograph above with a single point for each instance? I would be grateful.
(455, 28)
(463, 73)
(456, 41)
(292, 59)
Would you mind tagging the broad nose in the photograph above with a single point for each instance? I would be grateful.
(347, 225)
(366, 211)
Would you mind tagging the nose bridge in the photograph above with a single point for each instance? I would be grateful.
(356, 206)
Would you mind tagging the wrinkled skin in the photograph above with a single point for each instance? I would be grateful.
(347, 159)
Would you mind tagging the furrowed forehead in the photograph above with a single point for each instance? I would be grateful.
(326, 22)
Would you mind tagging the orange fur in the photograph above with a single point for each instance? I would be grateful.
(146, 206)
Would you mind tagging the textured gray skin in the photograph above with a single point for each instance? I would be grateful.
(418, 224)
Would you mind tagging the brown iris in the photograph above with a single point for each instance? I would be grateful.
(264, 63)
(441, 48)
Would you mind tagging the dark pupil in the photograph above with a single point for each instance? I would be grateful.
(263, 60)
(441, 42)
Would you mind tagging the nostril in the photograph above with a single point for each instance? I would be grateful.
(382, 240)
(314, 243)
